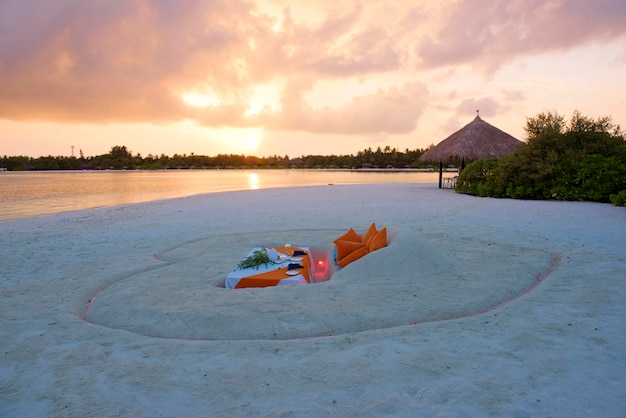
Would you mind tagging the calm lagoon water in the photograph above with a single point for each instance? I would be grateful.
(25, 194)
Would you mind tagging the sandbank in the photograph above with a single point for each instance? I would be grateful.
(477, 307)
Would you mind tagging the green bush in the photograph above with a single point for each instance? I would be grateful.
(619, 199)
(476, 179)
(585, 160)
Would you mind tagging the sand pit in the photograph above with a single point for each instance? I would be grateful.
(186, 298)
(439, 323)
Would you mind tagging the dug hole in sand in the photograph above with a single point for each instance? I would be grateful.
(409, 281)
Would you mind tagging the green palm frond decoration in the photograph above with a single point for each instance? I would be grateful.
(255, 260)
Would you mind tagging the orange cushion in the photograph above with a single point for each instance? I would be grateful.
(369, 234)
(353, 256)
(379, 241)
(351, 235)
(346, 247)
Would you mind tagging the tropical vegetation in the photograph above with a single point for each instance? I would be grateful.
(584, 159)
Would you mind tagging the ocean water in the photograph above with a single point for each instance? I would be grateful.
(33, 193)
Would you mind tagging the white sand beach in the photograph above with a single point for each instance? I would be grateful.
(477, 307)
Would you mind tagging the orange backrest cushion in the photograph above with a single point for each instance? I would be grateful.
(344, 248)
(351, 235)
(353, 256)
(369, 234)
(379, 241)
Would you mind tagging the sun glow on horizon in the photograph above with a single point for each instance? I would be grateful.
(253, 140)
(245, 140)
(237, 140)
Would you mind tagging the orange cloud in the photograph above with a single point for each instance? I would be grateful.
(395, 110)
(487, 34)
(139, 60)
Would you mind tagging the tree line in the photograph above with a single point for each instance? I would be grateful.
(121, 158)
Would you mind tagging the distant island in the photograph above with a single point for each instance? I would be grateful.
(120, 158)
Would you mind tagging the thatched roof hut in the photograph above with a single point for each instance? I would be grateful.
(475, 141)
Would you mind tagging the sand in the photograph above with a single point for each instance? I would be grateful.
(477, 307)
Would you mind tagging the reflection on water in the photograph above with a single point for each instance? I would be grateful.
(25, 194)
(253, 181)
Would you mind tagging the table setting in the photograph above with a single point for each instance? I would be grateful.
(271, 266)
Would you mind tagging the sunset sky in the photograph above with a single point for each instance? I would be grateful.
(279, 77)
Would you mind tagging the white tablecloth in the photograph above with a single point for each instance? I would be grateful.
(235, 276)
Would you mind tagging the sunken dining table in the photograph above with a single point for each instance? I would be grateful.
(291, 266)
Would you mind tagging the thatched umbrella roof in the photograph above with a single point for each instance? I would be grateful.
(475, 141)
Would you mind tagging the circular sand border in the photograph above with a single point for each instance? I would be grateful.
(410, 281)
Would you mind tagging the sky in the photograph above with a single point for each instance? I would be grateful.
(289, 77)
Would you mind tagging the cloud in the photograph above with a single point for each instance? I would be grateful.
(450, 126)
(486, 34)
(393, 111)
(364, 52)
(116, 60)
(133, 60)
(487, 106)
(338, 46)
(513, 95)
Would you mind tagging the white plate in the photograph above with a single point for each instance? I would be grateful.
(293, 272)
(296, 258)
